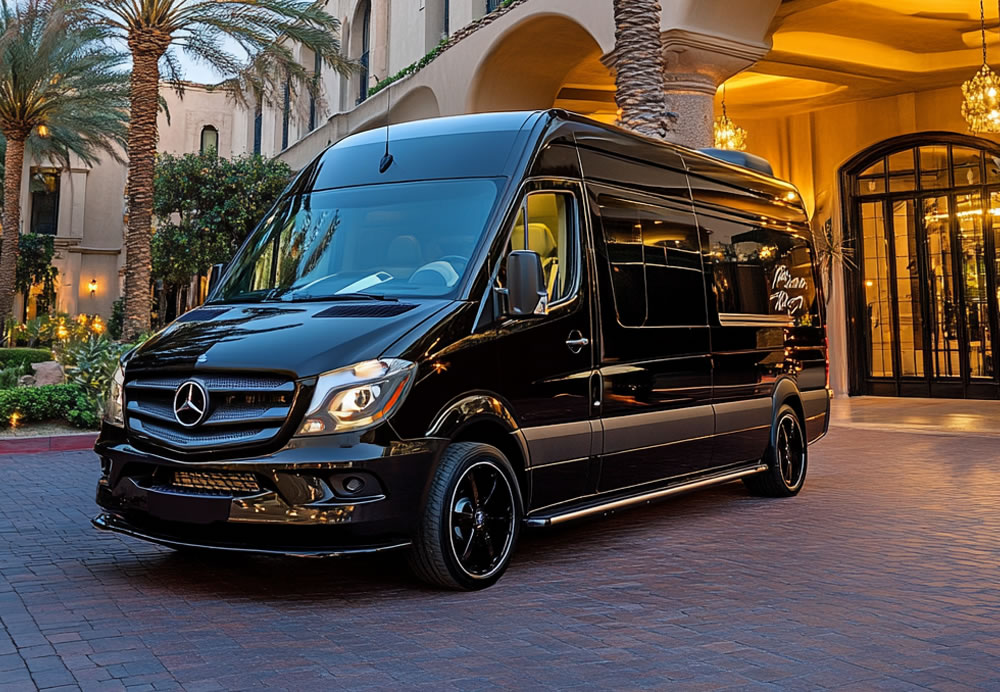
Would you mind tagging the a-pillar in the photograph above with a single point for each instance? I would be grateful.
(695, 64)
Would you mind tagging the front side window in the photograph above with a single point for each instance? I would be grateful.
(762, 271)
(551, 232)
(392, 240)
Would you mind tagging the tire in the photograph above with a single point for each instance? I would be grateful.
(787, 458)
(471, 519)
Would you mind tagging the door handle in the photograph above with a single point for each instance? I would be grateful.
(577, 341)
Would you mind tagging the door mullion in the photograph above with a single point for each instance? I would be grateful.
(890, 238)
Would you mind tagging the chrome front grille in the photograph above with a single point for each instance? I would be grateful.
(242, 409)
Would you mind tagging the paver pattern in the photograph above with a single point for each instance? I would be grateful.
(883, 574)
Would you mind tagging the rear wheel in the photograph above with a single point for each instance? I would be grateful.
(787, 458)
(471, 519)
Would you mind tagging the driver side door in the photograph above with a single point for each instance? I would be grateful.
(547, 361)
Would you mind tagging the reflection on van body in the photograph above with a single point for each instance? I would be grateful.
(527, 319)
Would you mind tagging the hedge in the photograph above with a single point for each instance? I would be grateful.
(66, 402)
(23, 356)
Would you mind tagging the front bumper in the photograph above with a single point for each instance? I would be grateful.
(296, 501)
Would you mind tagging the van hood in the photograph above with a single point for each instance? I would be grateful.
(296, 339)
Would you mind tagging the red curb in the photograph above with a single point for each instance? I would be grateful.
(57, 443)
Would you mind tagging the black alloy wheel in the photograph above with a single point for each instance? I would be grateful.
(787, 458)
(471, 519)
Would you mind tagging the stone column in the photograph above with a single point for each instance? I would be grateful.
(695, 64)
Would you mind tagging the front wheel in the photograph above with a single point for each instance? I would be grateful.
(471, 519)
(787, 458)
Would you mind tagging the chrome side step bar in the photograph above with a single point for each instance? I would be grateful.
(643, 498)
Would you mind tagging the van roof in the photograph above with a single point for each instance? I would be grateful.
(491, 144)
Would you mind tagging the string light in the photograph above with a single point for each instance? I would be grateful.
(729, 135)
(981, 107)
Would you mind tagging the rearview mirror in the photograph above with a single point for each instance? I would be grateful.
(526, 294)
(214, 274)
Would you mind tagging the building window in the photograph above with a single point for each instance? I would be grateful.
(447, 18)
(258, 128)
(364, 60)
(44, 188)
(209, 140)
(492, 5)
(286, 109)
(317, 69)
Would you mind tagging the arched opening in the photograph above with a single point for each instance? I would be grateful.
(923, 217)
(417, 104)
(545, 61)
(209, 140)
(360, 48)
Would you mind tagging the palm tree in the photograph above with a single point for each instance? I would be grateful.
(638, 61)
(248, 42)
(61, 92)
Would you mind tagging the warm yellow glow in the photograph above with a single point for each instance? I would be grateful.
(15, 419)
(869, 283)
(729, 135)
(62, 332)
(92, 286)
(97, 327)
(43, 131)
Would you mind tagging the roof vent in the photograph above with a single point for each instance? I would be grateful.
(741, 158)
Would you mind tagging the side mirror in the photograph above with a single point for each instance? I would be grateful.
(214, 274)
(526, 293)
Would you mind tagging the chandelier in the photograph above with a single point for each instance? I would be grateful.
(981, 107)
(729, 135)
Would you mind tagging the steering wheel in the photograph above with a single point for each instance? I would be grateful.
(435, 273)
(457, 261)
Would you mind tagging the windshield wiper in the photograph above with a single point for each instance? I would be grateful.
(305, 297)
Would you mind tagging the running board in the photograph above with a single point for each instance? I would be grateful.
(644, 498)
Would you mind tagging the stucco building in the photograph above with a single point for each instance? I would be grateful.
(85, 207)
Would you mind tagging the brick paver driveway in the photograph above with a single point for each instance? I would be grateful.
(882, 574)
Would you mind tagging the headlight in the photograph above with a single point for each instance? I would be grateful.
(114, 412)
(358, 396)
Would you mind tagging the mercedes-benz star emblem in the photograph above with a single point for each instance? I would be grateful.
(190, 404)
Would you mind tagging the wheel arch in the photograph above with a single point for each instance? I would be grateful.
(786, 391)
(484, 417)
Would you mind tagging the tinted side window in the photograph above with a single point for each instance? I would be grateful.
(761, 271)
(655, 259)
(623, 237)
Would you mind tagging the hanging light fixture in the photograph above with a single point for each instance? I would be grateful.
(729, 135)
(981, 108)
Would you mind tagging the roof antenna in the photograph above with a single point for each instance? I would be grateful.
(387, 159)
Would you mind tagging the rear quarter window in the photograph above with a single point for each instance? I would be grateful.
(761, 271)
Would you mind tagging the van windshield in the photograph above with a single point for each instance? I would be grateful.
(377, 241)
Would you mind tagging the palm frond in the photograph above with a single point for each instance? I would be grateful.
(62, 73)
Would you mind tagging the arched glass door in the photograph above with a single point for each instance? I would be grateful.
(924, 215)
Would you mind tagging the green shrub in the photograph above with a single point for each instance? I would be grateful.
(11, 375)
(67, 402)
(117, 319)
(21, 357)
(90, 363)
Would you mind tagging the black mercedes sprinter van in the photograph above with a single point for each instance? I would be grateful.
(511, 320)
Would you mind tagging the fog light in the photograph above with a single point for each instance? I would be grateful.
(313, 426)
(353, 484)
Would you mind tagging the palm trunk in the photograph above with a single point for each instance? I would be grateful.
(13, 166)
(142, 136)
(638, 61)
